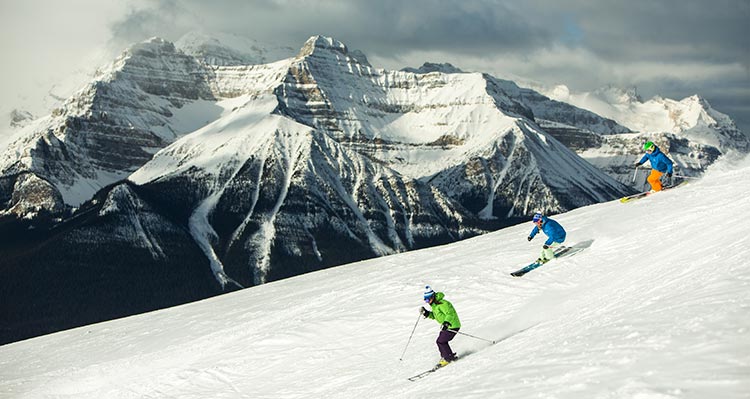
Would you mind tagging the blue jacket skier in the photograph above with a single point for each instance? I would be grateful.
(660, 164)
(555, 235)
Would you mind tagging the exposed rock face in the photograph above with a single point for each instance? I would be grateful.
(429, 67)
(29, 196)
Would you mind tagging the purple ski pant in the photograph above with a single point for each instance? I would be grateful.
(442, 343)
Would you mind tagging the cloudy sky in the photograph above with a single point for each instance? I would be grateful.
(674, 48)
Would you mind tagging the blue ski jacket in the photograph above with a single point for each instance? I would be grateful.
(553, 230)
(658, 160)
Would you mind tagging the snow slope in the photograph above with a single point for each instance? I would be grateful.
(657, 307)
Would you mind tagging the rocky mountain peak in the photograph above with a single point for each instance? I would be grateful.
(154, 46)
(322, 43)
(429, 67)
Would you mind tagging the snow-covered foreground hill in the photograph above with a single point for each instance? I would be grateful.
(657, 307)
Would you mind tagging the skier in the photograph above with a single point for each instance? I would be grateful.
(660, 164)
(444, 313)
(555, 236)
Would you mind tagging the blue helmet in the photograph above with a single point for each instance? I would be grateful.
(537, 217)
(428, 293)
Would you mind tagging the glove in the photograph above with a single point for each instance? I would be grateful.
(545, 246)
(637, 164)
(529, 238)
(446, 325)
(669, 174)
(425, 313)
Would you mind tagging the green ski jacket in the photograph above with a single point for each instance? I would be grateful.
(443, 311)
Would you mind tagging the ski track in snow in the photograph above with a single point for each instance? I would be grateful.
(657, 307)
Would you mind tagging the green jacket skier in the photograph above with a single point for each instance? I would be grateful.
(444, 313)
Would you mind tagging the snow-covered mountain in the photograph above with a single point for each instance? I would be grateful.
(272, 198)
(472, 136)
(692, 117)
(690, 131)
(614, 321)
(111, 127)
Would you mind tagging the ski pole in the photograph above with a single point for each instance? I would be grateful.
(635, 173)
(412, 334)
(686, 177)
(469, 335)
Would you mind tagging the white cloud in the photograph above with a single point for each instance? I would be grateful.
(46, 42)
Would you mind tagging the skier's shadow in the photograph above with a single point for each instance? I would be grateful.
(574, 249)
(583, 244)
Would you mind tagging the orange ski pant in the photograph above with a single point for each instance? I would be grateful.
(654, 179)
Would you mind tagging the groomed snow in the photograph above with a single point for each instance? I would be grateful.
(657, 307)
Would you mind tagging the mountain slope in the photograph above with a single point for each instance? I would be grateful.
(121, 254)
(612, 321)
(114, 125)
(275, 192)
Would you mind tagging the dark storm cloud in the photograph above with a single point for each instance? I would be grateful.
(387, 26)
(716, 31)
(684, 47)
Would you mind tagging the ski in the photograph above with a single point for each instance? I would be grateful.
(562, 252)
(647, 193)
(524, 270)
(635, 197)
(425, 373)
